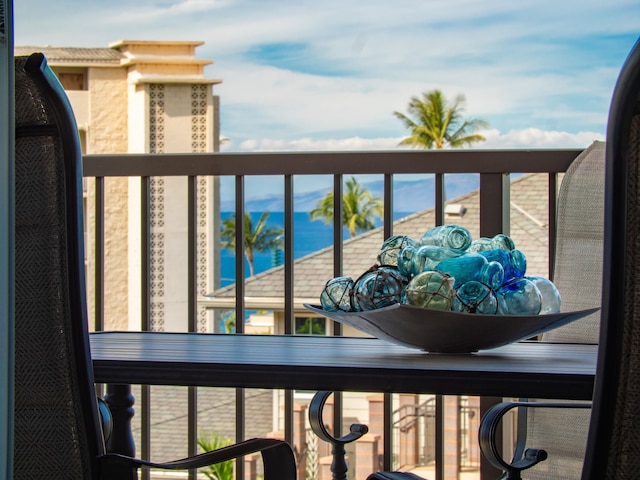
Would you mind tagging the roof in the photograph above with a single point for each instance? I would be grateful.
(74, 55)
(529, 231)
(216, 413)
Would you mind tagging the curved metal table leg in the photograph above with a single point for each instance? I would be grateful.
(339, 464)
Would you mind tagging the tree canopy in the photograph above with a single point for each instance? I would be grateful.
(359, 208)
(436, 123)
(257, 238)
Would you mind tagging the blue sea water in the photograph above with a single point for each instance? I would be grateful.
(309, 236)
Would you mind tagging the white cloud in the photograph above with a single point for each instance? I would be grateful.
(525, 138)
(543, 65)
(309, 144)
(536, 138)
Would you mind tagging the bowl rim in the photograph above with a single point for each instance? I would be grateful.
(447, 331)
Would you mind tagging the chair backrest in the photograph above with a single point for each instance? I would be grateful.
(613, 447)
(578, 276)
(57, 433)
(579, 239)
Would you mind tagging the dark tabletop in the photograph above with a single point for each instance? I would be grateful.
(524, 369)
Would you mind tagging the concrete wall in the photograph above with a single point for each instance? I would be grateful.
(107, 132)
(123, 111)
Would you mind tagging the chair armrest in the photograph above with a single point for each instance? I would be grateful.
(394, 476)
(524, 457)
(277, 456)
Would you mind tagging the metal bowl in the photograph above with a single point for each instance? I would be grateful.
(448, 332)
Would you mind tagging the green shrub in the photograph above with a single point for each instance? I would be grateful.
(218, 471)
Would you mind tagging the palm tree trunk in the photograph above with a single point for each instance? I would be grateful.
(249, 256)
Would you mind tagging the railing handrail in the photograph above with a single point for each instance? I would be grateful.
(330, 163)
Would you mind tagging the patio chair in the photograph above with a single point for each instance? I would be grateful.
(57, 426)
(613, 442)
(578, 256)
(613, 446)
(578, 275)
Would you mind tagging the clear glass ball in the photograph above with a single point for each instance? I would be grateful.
(336, 295)
(430, 289)
(378, 288)
(475, 297)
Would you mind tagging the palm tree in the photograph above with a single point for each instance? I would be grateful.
(258, 238)
(359, 208)
(434, 122)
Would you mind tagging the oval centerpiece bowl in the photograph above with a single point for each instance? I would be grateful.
(440, 331)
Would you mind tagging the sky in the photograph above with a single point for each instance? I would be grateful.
(328, 74)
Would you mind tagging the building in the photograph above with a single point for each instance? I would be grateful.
(144, 97)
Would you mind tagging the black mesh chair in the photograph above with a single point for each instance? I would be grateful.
(613, 443)
(613, 446)
(57, 423)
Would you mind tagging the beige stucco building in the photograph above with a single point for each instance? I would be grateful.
(144, 97)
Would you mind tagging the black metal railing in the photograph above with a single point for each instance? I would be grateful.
(493, 167)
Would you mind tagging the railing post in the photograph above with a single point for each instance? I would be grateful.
(494, 204)
(494, 218)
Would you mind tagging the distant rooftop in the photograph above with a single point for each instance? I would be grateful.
(119, 53)
(74, 55)
(146, 61)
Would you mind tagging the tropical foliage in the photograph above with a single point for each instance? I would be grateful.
(258, 238)
(217, 471)
(310, 326)
(229, 321)
(436, 123)
(359, 208)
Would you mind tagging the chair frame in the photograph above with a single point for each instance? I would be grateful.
(614, 352)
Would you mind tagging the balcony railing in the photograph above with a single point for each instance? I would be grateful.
(493, 167)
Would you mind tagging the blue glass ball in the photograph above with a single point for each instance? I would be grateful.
(378, 288)
(475, 297)
(519, 297)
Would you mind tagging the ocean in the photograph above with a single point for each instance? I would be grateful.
(309, 236)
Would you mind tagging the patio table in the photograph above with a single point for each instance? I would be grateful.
(523, 369)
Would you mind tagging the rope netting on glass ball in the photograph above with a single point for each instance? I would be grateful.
(475, 297)
(391, 248)
(336, 295)
(378, 287)
(431, 289)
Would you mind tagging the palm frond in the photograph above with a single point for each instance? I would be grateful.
(435, 122)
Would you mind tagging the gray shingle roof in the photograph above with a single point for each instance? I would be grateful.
(216, 413)
(73, 55)
(529, 231)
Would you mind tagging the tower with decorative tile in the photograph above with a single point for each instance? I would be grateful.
(145, 97)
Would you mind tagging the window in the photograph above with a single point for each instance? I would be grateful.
(311, 326)
(72, 78)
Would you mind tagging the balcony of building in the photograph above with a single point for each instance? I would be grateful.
(516, 195)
